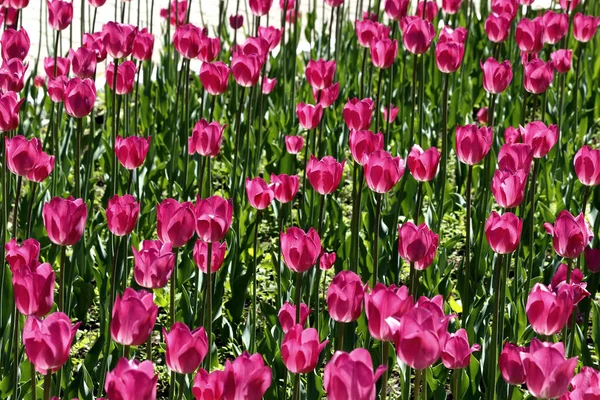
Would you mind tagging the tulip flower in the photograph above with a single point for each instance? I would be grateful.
(449, 56)
(483, 115)
(39, 81)
(59, 68)
(540, 137)
(396, 9)
(260, 7)
(431, 10)
(80, 96)
(175, 222)
(351, 376)
(95, 42)
(236, 21)
(247, 377)
(300, 249)
(496, 76)
(118, 39)
(497, 27)
(185, 349)
(12, 75)
(389, 115)
(268, 85)
(15, 44)
(368, 31)
(327, 96)
(345, 297)
(131, 379)
(456, 352)
(60, 14)
(564, 4)
(246, 69)
(423, 165)
(570, 235)
(325, 174)
(133, 317)
(327, 261)
(122, 214)
(473, 143)
(209, 386)
(294, 144)
(206, 138)
(131, 151)
(508, 187)
(287, 316)
(560, 276)
(512, 135)
(451, 6)
(555, 26)
(209, 48)
(418, 34)
(143, 45)
(562, 60)
(213, 218)
(153, 264)
(417, 244)
(538, 76)
(503, 232)
(217, 258)
(255, 46)
(586, 163)
(585, 385)
(125, 77)
(177, 12)
(24, 156)
(48, 342)
(64, 220)
(358, 113)
(547, 371)
(530, 35)
(260, 194)
(584, 27)
(384, 52)
(505, 6)
(309, 116)
(511, 366)
(363, 143)
(300, 349)
(83, 62)
(214, 77)
(285, 187)
(271, 34)
(382, 171)
(9, 111)
(547, 311)
(24, 256)
(383, 302)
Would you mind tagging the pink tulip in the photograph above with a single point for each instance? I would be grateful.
(458, 35)
(511, 366)
(122, 214)
(538, 76)
(48, 342)
(431, 10)
(271, 34)
(217, 255)
(236, 21)
(268, 85)
(496, 76)
(64, 220)
(175, 222)
(547, 371)
(24, 256)
(505, 6)
(125, 77)
(562, 60)
(255, 46)
(185, 349)
(325, 174)
(95, 43)
(246, 69)
(584, 27)
(585, 385)
(587, 166)
(62, 66)
(569, 4)
(363, 143)
(133, 317)
(384, 52)
(396, 9)
(473, 143)
(547, 311)
(368, 31)
(390, 116)
(570, 234)
(530, 35)
(418, 34)
(451, 6)
(260, 7)
(143, 45)
(512, 135)
(15, 44)
(417, 244)
(177, 13)
(287, 316)
(383, 302)
(153, 264)
(497, 27)
(214, 77)
(83, 61)
(209, 386)
(294, 144)
(555, 26)
(209, 48)
(213, 218)
(351, 376)
(358, 113)
(260, 194)
(285, 187)
(131, 379)
(60, 14)
(80, 96)
(309, 116)
(423, 165)
(327, 96)
(300, 249)
(449, 56)
(540, 137)
(483, 115)
(503, 232)
(186, 40)
(345, 297)
(300, 349)
(9, 111)
(382, 171)
(327, 261)
(118, 39)
(508, 187)
(131, 151)
(247, 377)
(456, 352)
(12, 75)
(24, 156)
(206, 138)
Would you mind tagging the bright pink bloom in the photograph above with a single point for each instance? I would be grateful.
(15, 44)
(497, 27)
(363, 143)
(511, 366)
(39, 81)
(268, 85)
(9, 111)
(131, 151)
(555, 26)
(125, 77)
(294, 144)
(325, 174)
(496, 76)
(143, 45)
(260, 194)
(456, 353)
(131, 379)
(327, 96)
(512, 135)
(214, 77)
(62, 66)
(60, 14)
(24, 156)
(122, 214)
(319, 74)
(538, 76)
(585, 385)
(350, 376)
(133, 317)
(503, 232)
(384, 52)
(396, 9)
(358, 113)
(423, 165)
(247, 377)
(118, 39)
(505, 6)
(530, 35)
(255, 46)
(300, 349)
(83, 61)
(587, 166)
(12, 75)
(327, 261)
(176, 13)
(300, 249)
(418, 34)
(185, 349)
(562, 60)
(80, 96)
(390, 116)
(451, 6)
(217, 255)
(175, 222)
(285, 187)
(540, 137)
(345, 297)
(213, 218)
(570, 234)
(64, 220)
(368, 31)
(431, 10)
(584, 27)
(209, 48)
(382, 171)
(153, 264)
(206, 138)
(95, 42)
(383, 302)
(483, 116)
(508, 187)
(417, 244)
(473, 143)
(246, 69)
(287, 316)
(260, 7)
(449, 56)
(271, 34)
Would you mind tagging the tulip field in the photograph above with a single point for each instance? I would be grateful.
(301, 199)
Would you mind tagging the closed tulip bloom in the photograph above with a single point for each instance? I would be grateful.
(555, 26)
(334, 3)
(64, 220)
(530, 35)
(560, 276)
(268, 85)
(131, 151)
(22, 155)
(505, 6)
(260, 7)
(363, 143)
(503, 232)
(423, 165)
(547, 371)
(396, 9)
(570, 235)
(418, 34)
(540, 137)
(473, 143)
(300, 349)
(351, 376)
(325, 174)
(564, 4)
(327, 96)
(15, 44)
(236, 21)
(327, 261)
(133, 317)
(12, 75)
(209, 48)
(271, 34)
(508, 187)
(60, 14)
(247, 377)
(214, 77)
(383, 302)
(118, 39)
(538, 76)
(95, 42)
(201, 252)
(80, 96)
(584, 27)
(260, 194)
(384, 52)
(177, 13)
(562, 60)
(48, 342)
(63, 65)
(131, 379)
(122, 214)
(143, 45)
(390, 114)
(10, 105)
(43, 168)
(585, 385)
(449, 56)
(431, 10)
(458, 35)
(83, 62)
(319, 74)
(382, 171)
(456, 353)
(497, 27)
(153, 264)
(287, 316)
(345, 297)
(125, 77)
(209, 386)
(483, 115)
(285, 187)
(213, 218)
(511, 366)
(451, 6)
(206, 138)
(175, 222)
(57, 87)
(368, 31)
(512, 135)
(185, 349)
(300, 249)
(246, 69)
(417, 244)
(287, 4)
(587, 166)
(358, 113)
(294, 144)
(256, 46)
(24, 256)
(496, 76)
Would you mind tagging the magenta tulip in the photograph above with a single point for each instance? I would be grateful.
(153, 264)
(456, 352)
(259, 193)
(383, 302)
(423, 165)
(325, 174)
(503, 232)
(285, 187)
(351, 376)
(64, 220)
(206, 138)
(300, 249)
(185, 349)
(570, 235)
(217, 255)
(358, 113)
(213, 218)
(287, 316)
(473, 143)
(300, 349)
(417, 244)
(133, 317)
(131, 151)
(131, 379)
(345, 297)
(122, 214)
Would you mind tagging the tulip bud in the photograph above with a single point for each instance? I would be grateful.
(390, 114)
(133, 317)
(326, 261)
(319, 74)
(131, 379)
(592, 260)
(555, 26)
(561, 60)
(368, 31)
(396, 9)
(423, 165)
(185, 349)
(9, 111)
(345, 297)
(260, 7)
(214, 77)
(431, 10)
(236, 21)
(246, 69)
(95, 43)
(80, 96)
(418, 34)
(539, 137)
(508, 187)
(358, 113)
(456, 353)
(325, 174)
(538, 76)
(287, 316)
(83, 61)
(586, 163)
(260, 194)
(15, 44)
(355, 370)
(122, 214)
(176, 13)
(584, 27)
(271, 34)
(511, 366)
(59, 68)
(503, 232)
(327, 96)
(60, 14)
(125, 77)
(383, 302)
(363, 143)
(118, 39)
(570, 235)
(384, 52)
(497, 27)
(64, 220)
(451, 6)
(294, 144)
(530, 35)
(143, 45)
(509, 7)
(209, 49)
(300, 249)
(153, 264)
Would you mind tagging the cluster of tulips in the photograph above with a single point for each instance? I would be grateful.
(351, 308)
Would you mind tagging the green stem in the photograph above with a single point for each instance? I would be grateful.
(115, 127)
(495, 331)
(532, 189)
(47, 386)
(233, 184)
(378, 200)
(377, 112)
(443, 168)
(417, 390)
(467, 265)
(362, 74)
(209, 305)
(62, 276)
(77, 172)
(455, 383)
(173, 289)
(414, 97)
(181, 386)
(317, 276)
(254, 286)
(298, 295)
(341, 326)
(16, 208)
(33, 189)
(33, 382)
(15, 344)
(385, 352)
(296, 387)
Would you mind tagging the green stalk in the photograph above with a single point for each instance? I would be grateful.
(115, 116)
(209, 305)
(296, 387)
(385, 352)
(33, 382)
(467, 264)
(77, 171)
(532, 189)
(493, 365)
(414, 97)
(377, 112)
(173, 307)
(362, 74)
(233, 184)
(181, 386)
(317, 279)
(298, 295)
(417, 391)
(341, 326)
(47, 386)
(62, 275)
(254, 286)
(378, 200)
(444, 165)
